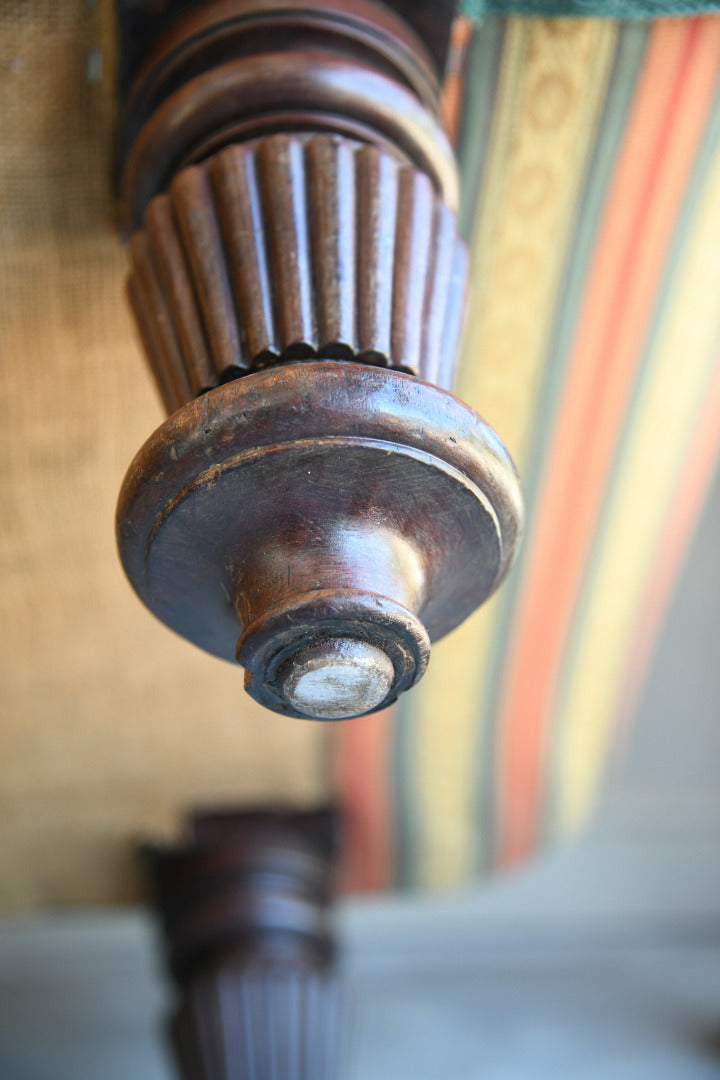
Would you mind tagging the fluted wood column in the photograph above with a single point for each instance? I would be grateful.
(244, 902)
(294, 248)
(318, 506)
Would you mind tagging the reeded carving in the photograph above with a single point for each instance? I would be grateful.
(244, 903)
(325, 519)
(261, 1025)
(294, 248)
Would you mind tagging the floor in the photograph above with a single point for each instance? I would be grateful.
(81, 997)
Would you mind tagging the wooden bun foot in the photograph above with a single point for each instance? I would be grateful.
(320, 517)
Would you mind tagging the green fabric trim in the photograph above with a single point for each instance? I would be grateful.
(609, 9)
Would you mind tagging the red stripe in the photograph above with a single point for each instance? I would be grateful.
(602, 373)
(362, 748)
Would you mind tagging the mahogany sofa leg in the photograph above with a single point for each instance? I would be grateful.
(318, 507)
(245, 905)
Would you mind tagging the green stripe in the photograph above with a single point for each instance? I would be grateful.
(608, 9)
(476, 124)
(681, 238)
(479, 95)
(622, 80)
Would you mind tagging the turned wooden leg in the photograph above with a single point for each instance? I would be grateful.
(245, 907)
(318, 506)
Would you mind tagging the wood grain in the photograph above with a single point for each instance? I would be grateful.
(297, 247)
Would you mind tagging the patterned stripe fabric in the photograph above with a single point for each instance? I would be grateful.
(592, 152)
(607, 9)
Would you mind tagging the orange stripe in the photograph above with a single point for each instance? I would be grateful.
(362, 766)
(671, 107)
(451, 99)
(685, 508)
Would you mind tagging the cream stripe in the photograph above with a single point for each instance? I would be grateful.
(552, 82)
(684, 356)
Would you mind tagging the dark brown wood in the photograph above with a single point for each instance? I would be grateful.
(175, 280)
(233, 70)
(257, 96)
(318, 514)
(142, 24)
(297, 247)
(201, 241)
(244, 902)
(190, 36)
(332, 209)
(319, 501)
(318, 506)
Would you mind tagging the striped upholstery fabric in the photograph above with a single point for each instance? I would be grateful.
(591, 154)
(606, 9)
